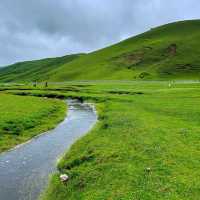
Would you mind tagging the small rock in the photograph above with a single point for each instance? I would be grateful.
(148, 169)
(64, 178)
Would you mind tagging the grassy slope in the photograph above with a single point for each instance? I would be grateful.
(146, 55)
(158, 130)
(38, 70)
(24, 117)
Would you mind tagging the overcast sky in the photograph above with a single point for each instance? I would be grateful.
(32, 29)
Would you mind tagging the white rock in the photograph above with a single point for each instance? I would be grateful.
(64, 177)
(148, 169)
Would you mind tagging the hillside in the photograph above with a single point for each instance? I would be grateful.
(37, 70)
(167, 52)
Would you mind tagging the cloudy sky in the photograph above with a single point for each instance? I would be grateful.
(32, 29)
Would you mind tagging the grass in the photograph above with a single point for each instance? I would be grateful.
(167, 52)
(25, 117)
(145, 145)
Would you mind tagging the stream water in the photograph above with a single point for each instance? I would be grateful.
(24, 171)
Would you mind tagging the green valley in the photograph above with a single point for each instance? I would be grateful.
(146, 91)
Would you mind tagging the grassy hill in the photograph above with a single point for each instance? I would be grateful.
(37, 70)
(167, 52)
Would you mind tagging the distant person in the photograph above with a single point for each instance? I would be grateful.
(46, 84)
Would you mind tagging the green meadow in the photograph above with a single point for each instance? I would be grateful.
(22, 118)
(144, 146)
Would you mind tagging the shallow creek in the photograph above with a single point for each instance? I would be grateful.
(24, 171)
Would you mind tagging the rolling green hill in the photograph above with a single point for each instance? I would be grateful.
(167, 52)
(37, 70)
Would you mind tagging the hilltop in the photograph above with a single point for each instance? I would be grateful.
(170, 51)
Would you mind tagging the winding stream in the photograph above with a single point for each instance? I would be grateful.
(24, 171)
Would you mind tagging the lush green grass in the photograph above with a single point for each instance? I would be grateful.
(147, 56)
(38, 70)
(145, 145)
(24, 117)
